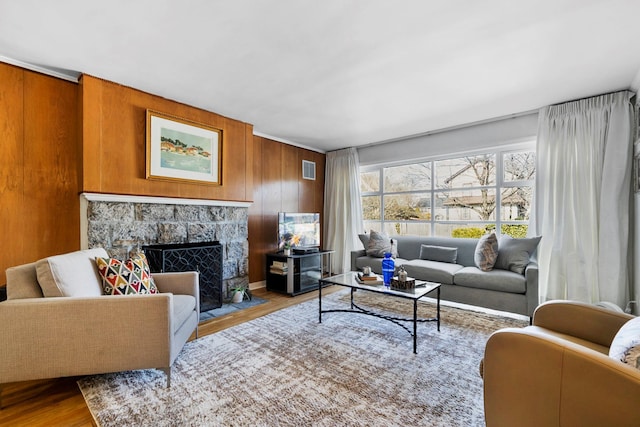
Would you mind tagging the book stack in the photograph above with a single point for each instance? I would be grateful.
(278, 267)
(370, 279)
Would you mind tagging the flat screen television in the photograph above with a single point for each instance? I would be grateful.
(302, 230)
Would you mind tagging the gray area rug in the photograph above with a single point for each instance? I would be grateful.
(286, 369)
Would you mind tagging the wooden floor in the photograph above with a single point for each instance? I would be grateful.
(58, 402)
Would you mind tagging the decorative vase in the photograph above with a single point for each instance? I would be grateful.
(237, 297)
(287, 252)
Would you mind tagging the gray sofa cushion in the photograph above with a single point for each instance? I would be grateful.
(439, 253)
(495, 280)
(375, 263)
(514, 254)
(433, 271)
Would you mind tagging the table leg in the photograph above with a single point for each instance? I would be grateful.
(415, 326)
(319, 301)
(352, 298)
(438, 309)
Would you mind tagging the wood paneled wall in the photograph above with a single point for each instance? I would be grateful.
(279, 187)
(61, 139)
(39, 167)
(114, 145)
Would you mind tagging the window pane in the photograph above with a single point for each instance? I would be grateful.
(407, 228)
(467, 205)
(371, 207)
(472, 171)
(372, 225)
(408, 177)
(515, 203)
(517, 231)
(370, 181)
(463, 230)
(415, 206)
(519, 166)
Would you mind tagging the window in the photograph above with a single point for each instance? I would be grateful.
(462, 196)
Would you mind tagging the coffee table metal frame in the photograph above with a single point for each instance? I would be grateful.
(349, 280)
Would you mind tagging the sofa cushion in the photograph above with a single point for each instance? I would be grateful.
(626, 343)
(431, 271)
(128, 277)
(514, 254)
(439, 253)
(22, 282)
(495, 280)
(74, 274)
(380, 243)
(486, 252)
(183, 306)
(375, 263)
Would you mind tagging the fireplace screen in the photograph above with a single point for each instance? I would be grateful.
(205, 257)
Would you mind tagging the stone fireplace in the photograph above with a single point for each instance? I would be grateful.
(121, 224)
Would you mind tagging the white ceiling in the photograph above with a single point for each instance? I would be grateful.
(338, 73)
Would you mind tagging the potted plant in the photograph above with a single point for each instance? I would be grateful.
(238, 293)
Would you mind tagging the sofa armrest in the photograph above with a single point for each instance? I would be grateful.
(535, 379)
(56, 337)
(581, 320)
(355, 255)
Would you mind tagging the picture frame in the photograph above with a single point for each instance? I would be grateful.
(182, 150)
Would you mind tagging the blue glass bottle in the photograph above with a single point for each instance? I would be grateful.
(388, 268)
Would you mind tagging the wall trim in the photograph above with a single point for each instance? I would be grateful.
(100, 197)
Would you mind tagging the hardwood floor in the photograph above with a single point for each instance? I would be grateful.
(58, 402)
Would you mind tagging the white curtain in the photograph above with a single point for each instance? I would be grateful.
(342, 206)
(583, 185)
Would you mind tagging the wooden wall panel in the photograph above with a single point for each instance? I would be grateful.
(279, 185)
(118, 146)
(257, 234)
(39, 167)
(51, 156)
(12, 206)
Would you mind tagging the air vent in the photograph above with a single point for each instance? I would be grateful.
(309, 170)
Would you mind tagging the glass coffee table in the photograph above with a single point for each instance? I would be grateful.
(349, 280)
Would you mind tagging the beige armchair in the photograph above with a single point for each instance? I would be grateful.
(557, 372)
(47, 335)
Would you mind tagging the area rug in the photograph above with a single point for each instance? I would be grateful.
(286, 369)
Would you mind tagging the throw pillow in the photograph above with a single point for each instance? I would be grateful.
(486, 252)
(514, 254)
(128, 277)
(72, 274)
(625, 346)
(379, 243)
(364, 238)
(439, 253)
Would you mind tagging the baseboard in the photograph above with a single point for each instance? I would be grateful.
(257, 285)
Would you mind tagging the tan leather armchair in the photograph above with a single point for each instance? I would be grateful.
(53, 336)
(557, 372)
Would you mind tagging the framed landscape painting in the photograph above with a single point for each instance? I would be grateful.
(182, 150)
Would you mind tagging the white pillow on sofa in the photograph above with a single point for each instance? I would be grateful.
(73, 274)
(379, 243)
(625, 346)
(486, 252)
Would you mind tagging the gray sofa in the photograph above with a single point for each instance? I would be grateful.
(462, 281)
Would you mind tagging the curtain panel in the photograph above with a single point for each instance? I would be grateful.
(583, 209)
(342, 206)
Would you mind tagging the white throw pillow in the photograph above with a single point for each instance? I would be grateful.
(625, 346)
(71, 275)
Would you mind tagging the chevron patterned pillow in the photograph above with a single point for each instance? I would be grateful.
(128, 277)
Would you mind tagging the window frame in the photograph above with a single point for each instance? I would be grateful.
(498, 187)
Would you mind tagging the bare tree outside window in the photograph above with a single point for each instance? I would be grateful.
(461, 201)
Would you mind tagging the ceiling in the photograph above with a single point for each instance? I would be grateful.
(338, 73)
